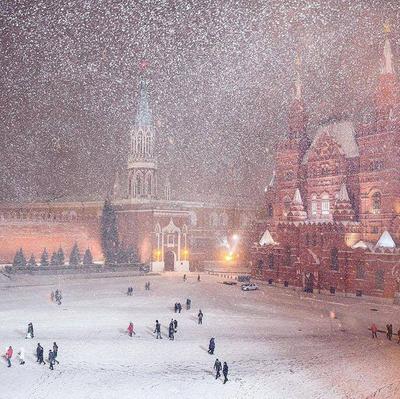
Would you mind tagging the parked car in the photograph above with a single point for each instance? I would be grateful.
(249, 287)
(229, 282)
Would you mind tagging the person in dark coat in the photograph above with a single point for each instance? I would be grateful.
(30, 331)
(176, 325)
(389, 332)
(211, 346)
(200, 317)
(51, 359)
(158, 330)
(198, 278)
(217, 368)
(39, 354)
(188, 303)
(179, 307)
(171, 332)
(184, 277)
(225, 372)
(176, 307)
(55, 352)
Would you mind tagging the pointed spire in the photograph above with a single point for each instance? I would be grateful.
(297, 198)
(343, 194)
(143, 115)
(272, 181)
(385, 241)
(297, 212)
(267, 239)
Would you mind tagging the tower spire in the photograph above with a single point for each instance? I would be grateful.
(143, 114)
(387, 65)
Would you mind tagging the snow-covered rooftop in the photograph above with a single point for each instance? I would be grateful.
(343, 133)
(267, 239)
(385, 241)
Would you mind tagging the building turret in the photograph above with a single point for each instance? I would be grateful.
(142, 164)
(297, 212)
(343, 211)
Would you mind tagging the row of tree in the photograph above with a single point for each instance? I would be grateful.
(56, 259)
(114, 251)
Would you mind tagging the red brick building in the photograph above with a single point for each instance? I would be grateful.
(169, 234)
(333, 205)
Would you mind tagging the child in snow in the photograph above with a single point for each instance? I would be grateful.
(130, 329)
(29, 333)
(21, 356)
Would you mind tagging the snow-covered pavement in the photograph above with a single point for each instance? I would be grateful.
(276, 344)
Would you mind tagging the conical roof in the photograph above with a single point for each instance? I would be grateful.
(267, 239)
(297, 198)
(343, 194)
(385, 241)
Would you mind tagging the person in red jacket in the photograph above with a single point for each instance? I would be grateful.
(9, 354)
(130, 329)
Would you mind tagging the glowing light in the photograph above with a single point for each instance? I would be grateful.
(235, 237)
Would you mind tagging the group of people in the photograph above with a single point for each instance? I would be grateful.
(147, 286)
(389, 332)
(39, 352)
(217, 367)
(178, 307)
(172, 329)
(130, 291)
(52, 358)
(56, 296)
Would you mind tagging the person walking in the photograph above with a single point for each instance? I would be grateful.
(9, 354)
(217, 368)
(130, 329)
(158, 330)
(374, 330)
(51, 360)
(176, 326)
(200, 317)
(211, 346)
(389, 331)
(55, 352)
(225, 372)
(184, 277)
(198, 277)
(52, 296)
(21, 356)
(39, 354)
(179, 307)
(171, 331)
(176, 307)
(188, 303)
(30, 331)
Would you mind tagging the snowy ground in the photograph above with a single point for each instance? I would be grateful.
(277, 344)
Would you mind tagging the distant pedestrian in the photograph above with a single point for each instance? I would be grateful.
(374, 330)
(200, 317)
(29, 333)
(179, 307)
(217, 368)
(21, 356)
(171, 331)
(51, 360)
(130, 329)
(175, 325)
(176, 307)
(188, 303)
(184, 277)
(39, 354)
(198, 277)
(389, 331)
(211, 346)
(225, 372)
(158, 330)
(55, 352)
(52, 296)
(9, 354)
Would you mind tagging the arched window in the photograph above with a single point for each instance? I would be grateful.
(376, 202)
(271, 261)
(286, 205)
(148, 143)
(380, 279)
(214, 220)
(139, 143)
(325, 204)
(288, 257)
(360, 272)
(148, 185)
(334, 259)
(314, 205)
(138, 186)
